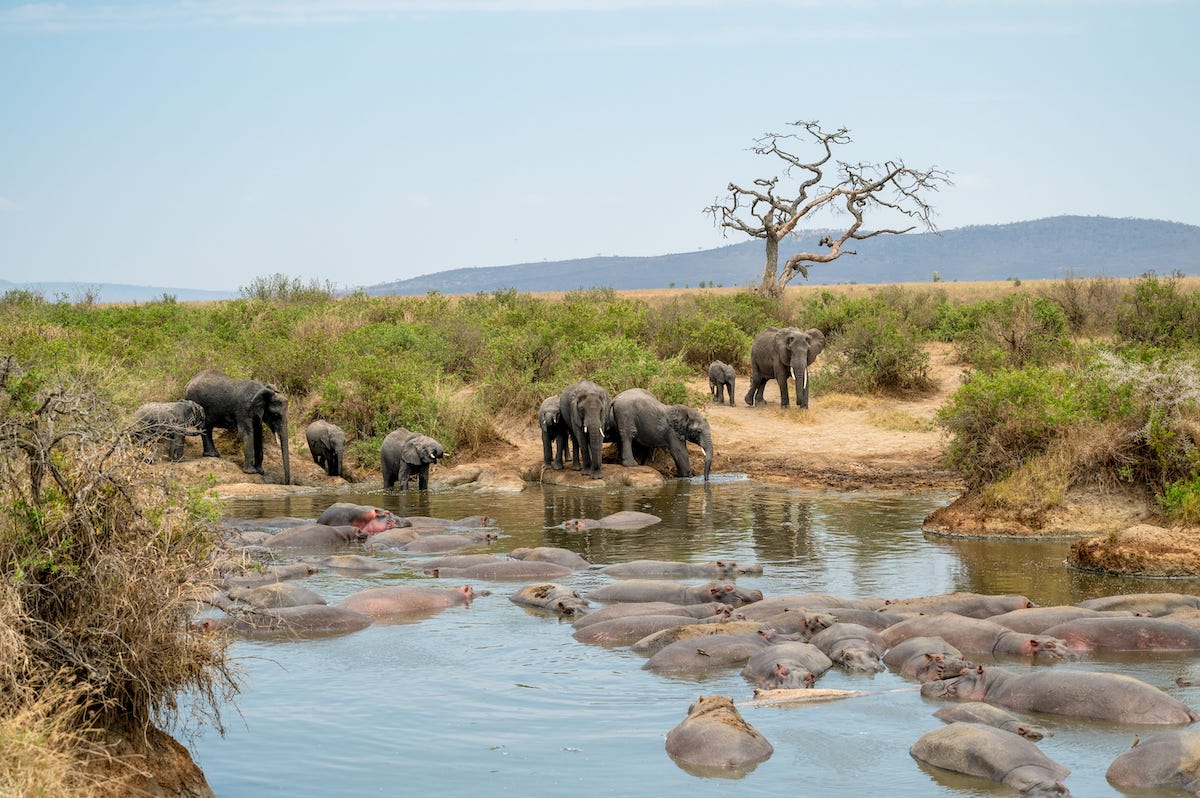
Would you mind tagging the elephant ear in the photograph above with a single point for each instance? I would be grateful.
(816, 344)
(409, 452)
(678, 417)
(261, 400)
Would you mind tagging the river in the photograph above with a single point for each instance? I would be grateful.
(496, 699)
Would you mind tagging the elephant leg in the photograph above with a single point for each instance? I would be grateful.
(781, 377)
(251, 449)
(802, 390)
(389, 475)
(405, 473)
(626, 435)
(210, 448)
(683, 464)
(423, 477)
(578, 453)
(547, 449)
(754, 395)
(176, 450)
(560, 445)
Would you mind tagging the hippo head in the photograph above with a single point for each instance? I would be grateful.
(971, 685)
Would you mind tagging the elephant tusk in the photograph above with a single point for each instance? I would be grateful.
(806, 379)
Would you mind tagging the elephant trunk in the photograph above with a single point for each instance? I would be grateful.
(801, 371)
(706, 445)
(280, 428)
(596, 446)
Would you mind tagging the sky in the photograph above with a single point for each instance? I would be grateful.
(202, 144)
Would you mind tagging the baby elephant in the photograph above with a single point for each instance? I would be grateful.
(156, 421)
(720, 379)
(404, 453)
(327, 445)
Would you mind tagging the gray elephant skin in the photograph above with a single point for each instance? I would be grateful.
(721, 378)
(778, 354)
(643, 421)
(556, 434)
(173, 421)
(242, 406)
(587, 409)
(327, 445)
(405, 453)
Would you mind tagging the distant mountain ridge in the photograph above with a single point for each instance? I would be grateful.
(1040, 249)
(115, 292)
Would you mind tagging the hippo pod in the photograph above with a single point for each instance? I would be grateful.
(851, 646)
(788, 665)
(714, 737)
(641, 590)
(990, 753)
(976, 636)
(307, 620)
(926, 659)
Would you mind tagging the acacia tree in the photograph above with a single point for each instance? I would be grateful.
(772, 208)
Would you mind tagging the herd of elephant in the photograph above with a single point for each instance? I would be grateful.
(782, 645)
(581, 418)
(214, 400)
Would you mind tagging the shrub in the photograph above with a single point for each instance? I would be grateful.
(1158, 313)
(1180, 501)
(1090, 305)
(281, 288)
(1015, 332)
(880, 351)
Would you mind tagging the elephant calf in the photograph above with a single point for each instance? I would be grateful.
(556, 434)
(327, 445)
(156, 421)
(404, 453)
(720, 379)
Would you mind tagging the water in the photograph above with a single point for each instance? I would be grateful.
(496, 699)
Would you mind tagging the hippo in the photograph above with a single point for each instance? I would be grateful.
(854, 647)
(275, 595)
(503, 569)
(390, 540)
(450, 542)
(1126, 634)
(713, 569)
(990, 753)
(717, 625)
(368, 520)
(630, 609)
(697, 656)
(307, 620)
(383, 602)
(651, 590)
(449, 561)
(1079, 694)
(625, 519)
(314, 537)
(427, 523)
(269, 574)
(989, 715)
(799, 622)
(351, 562)
(1144, 603)
(810, 601)
(972, 605)
(1169, 758)
(554, 554)
(787, 665)
(872, 619)
(626, 631)
(714, 737)
(926, 659)
(551, 596)
(1036, 620)
(977, 636)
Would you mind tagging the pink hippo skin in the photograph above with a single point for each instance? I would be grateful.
(972, 605)
(368, 520)
(550, 596)
(788, 665)
(714, 737)
(383, 602)
(1144, 603)
(989, 715)
(1164, 759)
(714, 569)
(990, 753)
(1126, 634)
(926, 659)
(639, 590)
(1078, 694)
(854, 647)
(975, 636)
(697, 656)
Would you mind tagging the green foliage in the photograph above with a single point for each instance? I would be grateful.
(281, 288)
(1180, 501)
(1017, 331)
(1158, 313)
(877, 351)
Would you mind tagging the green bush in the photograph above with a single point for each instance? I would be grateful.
(1158, 313)
(877, 351)
(1180, 501)
(1012, 333)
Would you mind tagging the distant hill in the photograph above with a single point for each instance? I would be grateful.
(1041, 249)
(115, 292)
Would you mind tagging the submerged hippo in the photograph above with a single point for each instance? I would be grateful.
(972, 605)
(628, 630)
(276, 594)
(625, 519)
(314, 537)
(651, 590)
(630, 609)
(550, 596)
(810, 601)
(926, 659)
(1163, 759)
(447, 542)
(1126, 634)
(1144, 603)
(705, 627)
(990, 753)
(1078, 694)
(310, 619)
(499, 568)
(854, 647)
(700, 655)
(804, 623)
(976, 636)
(554, 554)
(713, 569)
(1036, 620)
(352, 562)
(714, 737)
(367, 519)
(989, 715)
(788, 665)
(381, 602)
(268, 575)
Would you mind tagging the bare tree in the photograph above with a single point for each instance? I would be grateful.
(771, 210)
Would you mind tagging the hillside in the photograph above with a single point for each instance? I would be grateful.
(1041, 249)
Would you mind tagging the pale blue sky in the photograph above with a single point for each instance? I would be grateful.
(200, 144)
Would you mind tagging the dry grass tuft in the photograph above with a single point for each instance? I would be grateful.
(899, 421)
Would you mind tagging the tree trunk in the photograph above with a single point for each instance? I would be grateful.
(768, 287)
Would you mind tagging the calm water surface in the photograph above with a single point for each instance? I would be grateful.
(496, 699)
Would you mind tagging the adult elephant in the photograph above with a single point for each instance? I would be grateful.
(643, 421)
(778, 354)
(173, 421)
(587, 409)
(242, 406)
(404, 453)
(327, 445)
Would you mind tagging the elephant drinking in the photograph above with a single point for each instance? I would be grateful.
(587, 409)
(242, 406)
(644, 421)
(778, 354)
(404, 453)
